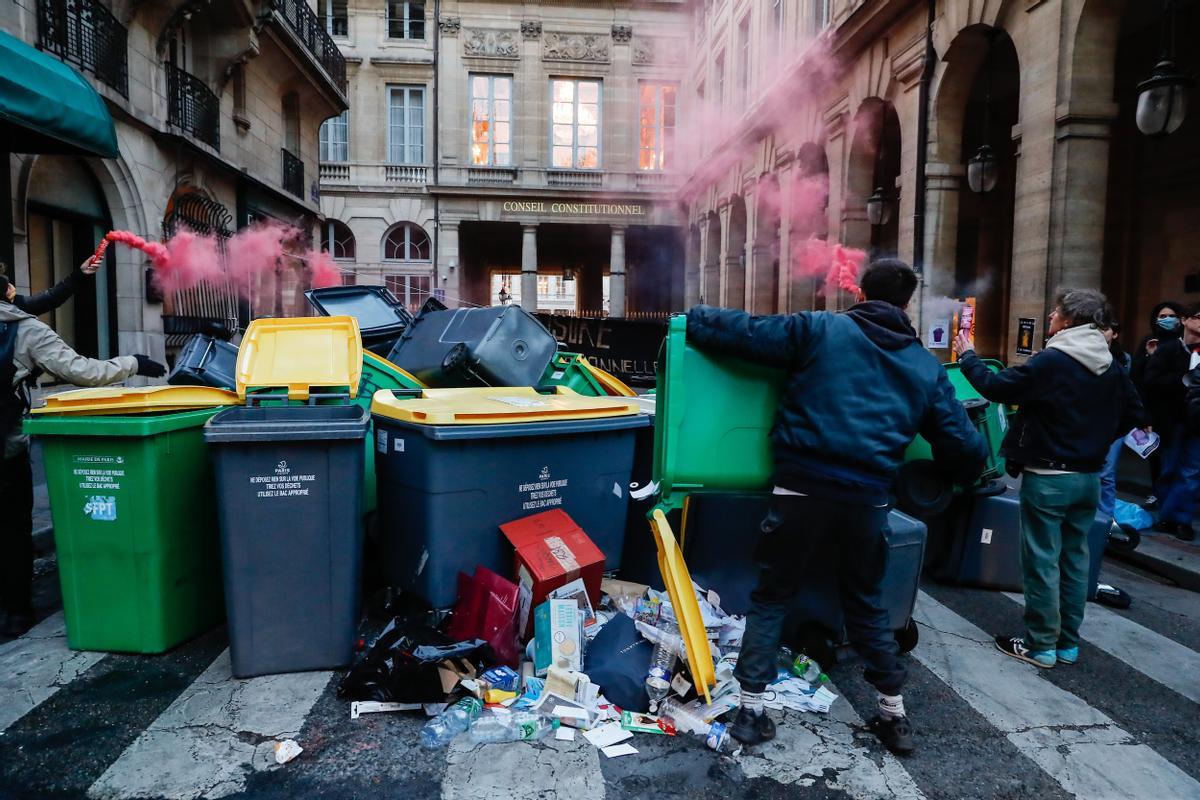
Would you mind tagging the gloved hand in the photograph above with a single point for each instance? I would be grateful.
(149, 367)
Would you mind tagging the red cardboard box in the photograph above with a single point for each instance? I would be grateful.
(551, 550)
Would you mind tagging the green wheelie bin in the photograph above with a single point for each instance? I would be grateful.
(135, 526)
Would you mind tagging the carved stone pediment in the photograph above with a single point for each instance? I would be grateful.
(659, 50)
(531, 29)
(589, 47)
(490, 43)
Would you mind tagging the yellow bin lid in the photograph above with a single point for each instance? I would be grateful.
(136, 400)
(299, 353)
(497, 405)
(683, 601)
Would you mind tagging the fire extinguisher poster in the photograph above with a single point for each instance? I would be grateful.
(1025, 336)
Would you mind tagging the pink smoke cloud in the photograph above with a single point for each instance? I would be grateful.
(835, 265)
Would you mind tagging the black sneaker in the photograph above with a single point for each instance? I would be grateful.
(896, 733)
(750, 728)
(1185, 533)
(1162, 526)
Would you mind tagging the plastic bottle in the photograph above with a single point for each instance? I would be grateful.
(518, 727)
(678, 714)
(450, 723)
(662, 663)
(804, 667)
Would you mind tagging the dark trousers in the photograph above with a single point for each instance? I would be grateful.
(16, 532)
(802, 536)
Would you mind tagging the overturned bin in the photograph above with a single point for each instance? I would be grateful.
(455, 464)
(289, 480)
(131, 485)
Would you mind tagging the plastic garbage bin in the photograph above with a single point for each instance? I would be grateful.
(455, 464)
(377, 373)
(205, 361)
(496, 346)
(570, 370)
(381, 317)
(131, 486)
(289, 482)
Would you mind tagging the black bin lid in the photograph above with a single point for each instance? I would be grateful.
(377, 310)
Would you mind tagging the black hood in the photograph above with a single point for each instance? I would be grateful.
(884, 324)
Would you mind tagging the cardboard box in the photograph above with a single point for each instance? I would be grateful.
(558, 636)
(551, 551)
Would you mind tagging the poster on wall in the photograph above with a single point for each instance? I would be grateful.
(939, 334)
(964, 322)
(1025, 336)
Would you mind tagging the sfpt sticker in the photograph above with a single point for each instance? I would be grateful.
(101, 508)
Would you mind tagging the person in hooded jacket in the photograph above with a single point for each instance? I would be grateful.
(44, 302)
(1166, 325)
(36, 349)
(859, 388)
(1073, 401)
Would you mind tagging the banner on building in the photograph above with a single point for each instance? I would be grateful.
(626, 348)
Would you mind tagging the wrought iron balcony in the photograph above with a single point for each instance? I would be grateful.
(86, 34)
(293, 173)
(192, 106)
(309, 29)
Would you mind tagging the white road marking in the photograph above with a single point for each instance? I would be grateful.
(35, 666)
(522, 771)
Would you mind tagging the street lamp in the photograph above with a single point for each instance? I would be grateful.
(1162, 98)
(983, 170)
(879, 208)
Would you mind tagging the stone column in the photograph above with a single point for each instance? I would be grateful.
(943, 183)
(449, 268)
(616, 273)
(693, 267)
(529, 265)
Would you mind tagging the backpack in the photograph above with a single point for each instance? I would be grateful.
(14, 401)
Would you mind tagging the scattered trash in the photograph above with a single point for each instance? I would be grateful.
(440, 730)
(662, 662)
(558, 634)
(607, 734)
(641, 723)
(487, 609)
(617, 750)
(508, 726)
(360, 707)
(286, 750)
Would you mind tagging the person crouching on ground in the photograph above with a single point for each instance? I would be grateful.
(1073, 401)
(859, 388)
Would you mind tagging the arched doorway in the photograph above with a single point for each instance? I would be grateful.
(1152, 223)
(66, 217)
(808, 219)
(873, 174)
(977, 103)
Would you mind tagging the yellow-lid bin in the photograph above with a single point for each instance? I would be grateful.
(495, 405)
(300, 353)
(112, 400)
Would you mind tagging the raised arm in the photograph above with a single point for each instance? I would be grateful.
(773, 340)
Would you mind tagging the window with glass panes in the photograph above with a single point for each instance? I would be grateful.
(406, 124)
(411, 290)
(719, 79)
(335, 16)
(491, 120)
(405, 20)
(575, 124)
(777, 19)
(657, 122)
(335, 138)
(337, 240)
(744, 62)
(406, 242)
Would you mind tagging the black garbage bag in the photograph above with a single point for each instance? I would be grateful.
(401, 665)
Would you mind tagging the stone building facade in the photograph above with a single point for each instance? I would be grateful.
(794, 148)
(504, 150)
(217, 106)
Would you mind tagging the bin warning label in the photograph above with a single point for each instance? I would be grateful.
(99, 472)
(542, 493)
(101, 509)
(283, 482)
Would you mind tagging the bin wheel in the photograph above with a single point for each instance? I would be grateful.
(908, 636)
(455, 359)
(921, 490)
(1123, 539)
(1113, 597)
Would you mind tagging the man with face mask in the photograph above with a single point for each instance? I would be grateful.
(1166, 325)
(1166, 394)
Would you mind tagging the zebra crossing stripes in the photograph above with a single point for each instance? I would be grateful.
(34, 667)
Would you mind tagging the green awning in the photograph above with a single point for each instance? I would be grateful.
(48, 107)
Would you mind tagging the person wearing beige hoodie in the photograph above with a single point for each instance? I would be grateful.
(1073, 400)
(35, 349)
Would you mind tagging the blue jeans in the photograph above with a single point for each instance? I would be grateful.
(1108, 479)
(1180, 480)
(798, 533)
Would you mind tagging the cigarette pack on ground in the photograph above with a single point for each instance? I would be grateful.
(551, 551)
(558, 636)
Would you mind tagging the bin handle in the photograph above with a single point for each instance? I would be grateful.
(253, 399)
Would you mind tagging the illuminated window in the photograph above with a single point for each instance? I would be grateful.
(337, 240)
(406, 242)
(411, 290)
(657, 122)
(406, 124)
(491, 120)
(335, 138)
(405, 20)
(575, 124)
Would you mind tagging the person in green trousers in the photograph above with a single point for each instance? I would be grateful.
(1072, 402)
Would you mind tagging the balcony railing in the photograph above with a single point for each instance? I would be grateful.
(658, 180)
(335, 172)
(86, 34)
(486, 176)
(293, 173)
(193, 107)
(402, 173)
(574, 178)
(311, 32)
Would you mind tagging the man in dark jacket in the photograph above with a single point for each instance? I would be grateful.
(1073, 401)
(1163, 384)
(860, 387)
